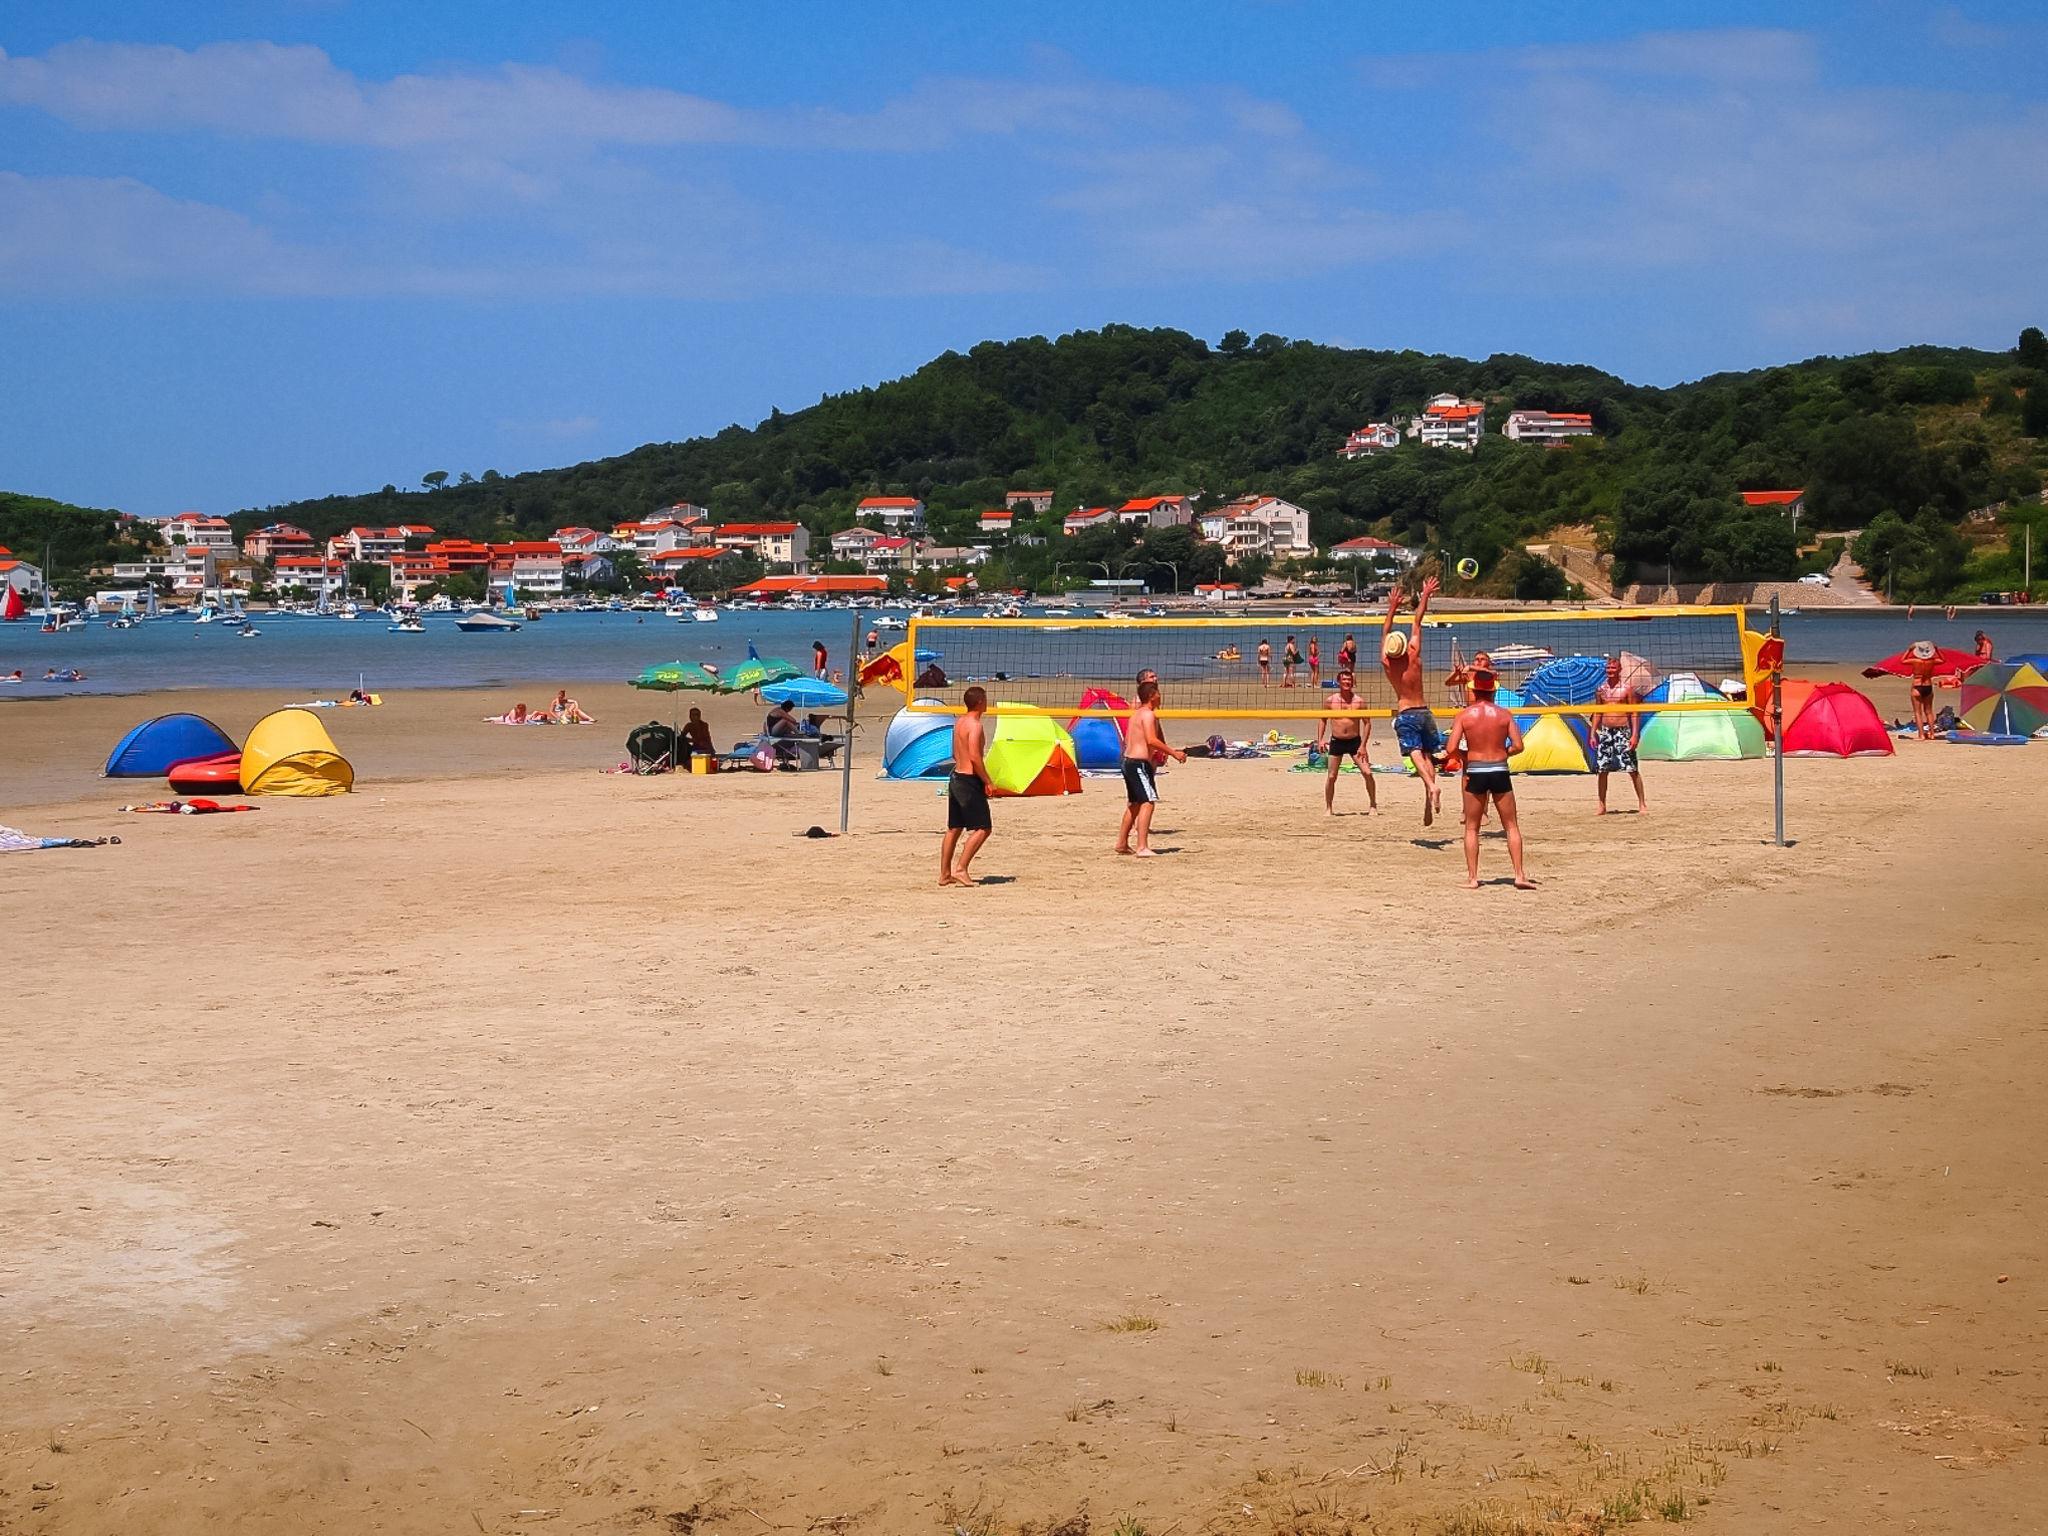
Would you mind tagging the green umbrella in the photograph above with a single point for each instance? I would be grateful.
(675, 676)
(756, 672)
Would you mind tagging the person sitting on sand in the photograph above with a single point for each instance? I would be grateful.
(1984, 647)
(567, 711)
(1488, 736)
(696, 739)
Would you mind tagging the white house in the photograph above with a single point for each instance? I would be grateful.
(1374, 437)
(773, 543)
(654, 535)
(1257, 525)
(534, 566)
(1081, 519)
(1547, 426)
(993, 521)
(195, 530)
(585, 541)
(19, 574)
(889, 552)
(895, 513)
(956, 554)
(1448, 422)
(274, 539)
(1028, 501)
(1378, 551)
(854, 543)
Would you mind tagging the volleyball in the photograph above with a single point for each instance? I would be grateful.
(1468, 568)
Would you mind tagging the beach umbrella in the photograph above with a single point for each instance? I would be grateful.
(2006, 698)
(1032, 755)
(1947, 664)
(757, 672)
(676, 676)
(806, 693)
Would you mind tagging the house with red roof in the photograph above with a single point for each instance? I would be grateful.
(1372, 438)
(772, 543)
(534, 566)
(895, 513)
(815, 586)
(1549, 428)
(1257, 525)
(997, 521)
(1028, 501)
(1448, 422)
(274, 539)
(1081, 519)
(1156, 511)
(18, 574)
(1378, 551)
(1791, 503)
(195, 530)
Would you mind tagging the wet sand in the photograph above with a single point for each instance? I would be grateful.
(509, 1146)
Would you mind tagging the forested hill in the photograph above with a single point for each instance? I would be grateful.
(1925, 434)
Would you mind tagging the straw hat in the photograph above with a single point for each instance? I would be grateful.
(1394, 646)
(1923, 650)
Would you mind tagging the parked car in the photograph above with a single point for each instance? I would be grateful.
(1815, 579)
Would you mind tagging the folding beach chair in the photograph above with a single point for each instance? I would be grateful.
(651, 748)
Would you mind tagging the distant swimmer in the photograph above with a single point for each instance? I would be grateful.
(1265, 663)
(1616, 734)
(1344, 733)
(1487, 736)
(966, 793)
(1415, 730)
(1142, 742)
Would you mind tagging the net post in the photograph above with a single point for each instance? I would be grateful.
(846, 746)
(1777, 726)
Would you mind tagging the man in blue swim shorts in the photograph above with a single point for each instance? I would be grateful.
(1415, 730)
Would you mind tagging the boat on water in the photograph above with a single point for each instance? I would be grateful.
(482, 621)
(406, 626)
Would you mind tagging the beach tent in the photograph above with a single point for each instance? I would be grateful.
(1565, 680)
(918, 746)
(1797, 691)
(1686, 736)
(1551, 744)
(290, 753)
(1834, 720)
(2007, 698)
(1032, 755)
(157, 746)
(1098, 742)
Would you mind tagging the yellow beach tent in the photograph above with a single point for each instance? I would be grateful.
(1550, 745)
(290, 753)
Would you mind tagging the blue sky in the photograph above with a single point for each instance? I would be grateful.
(259, 249)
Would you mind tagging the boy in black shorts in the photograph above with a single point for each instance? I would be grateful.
(966, 793)
(1141, 785)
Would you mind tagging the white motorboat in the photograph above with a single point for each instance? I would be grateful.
(406, 627)
(482, 621)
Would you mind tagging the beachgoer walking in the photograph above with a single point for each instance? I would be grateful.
(1488, 737)
(1921, 670)
(1265, 663)
(1142, 742)
(1290, 659)
(818, 658)
(1415, 729)
(1344, 732)
(966, 793)
(1616, 734)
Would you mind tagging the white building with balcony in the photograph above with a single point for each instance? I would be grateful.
(785, 544)
(1372, 438)
(1257, 525)
(1547, 427)
(898, 514)
(1448, 422)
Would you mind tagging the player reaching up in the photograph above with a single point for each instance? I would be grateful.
(1414, 726)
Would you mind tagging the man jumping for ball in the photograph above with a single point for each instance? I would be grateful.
(1414, 726)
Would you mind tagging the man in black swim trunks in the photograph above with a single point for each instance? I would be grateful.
(966, 793)
(1488, 736)
(1142, 742)
(1344, 732)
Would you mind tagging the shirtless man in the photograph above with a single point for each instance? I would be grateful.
(1488, 736)
(1415, 729)
(966, 793)
(1615, 736)
(1347, 654)
(1290, 659)
(1344, 731)
(1924, 665)
(1265, 663)
(1141, 786)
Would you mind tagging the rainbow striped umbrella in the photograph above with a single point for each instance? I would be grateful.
(2006, 698)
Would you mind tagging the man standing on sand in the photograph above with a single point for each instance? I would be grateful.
(1344, 732)
(1141, 785)
(1347, 654)
(1415, 729)
(1924, 664)
(1265, 663)
(1290, 659)
(1488, 736)
(1615, 736)
(966, 793)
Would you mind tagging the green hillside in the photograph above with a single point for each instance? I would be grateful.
(1905, 444)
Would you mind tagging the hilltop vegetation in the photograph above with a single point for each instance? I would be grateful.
(76, 538)
(1904, 445)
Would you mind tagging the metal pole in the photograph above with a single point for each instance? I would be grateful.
(1777, 725)
(846, 746)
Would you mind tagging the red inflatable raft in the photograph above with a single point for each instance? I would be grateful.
(221, 774)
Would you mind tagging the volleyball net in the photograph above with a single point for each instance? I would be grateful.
(1547, 662)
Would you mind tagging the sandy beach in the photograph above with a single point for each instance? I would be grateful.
(508, 1146)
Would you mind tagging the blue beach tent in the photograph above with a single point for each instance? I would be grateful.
(1565, 680)
(157, 746)
(918, 746)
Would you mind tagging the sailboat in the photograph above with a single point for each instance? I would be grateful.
(13, 607)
